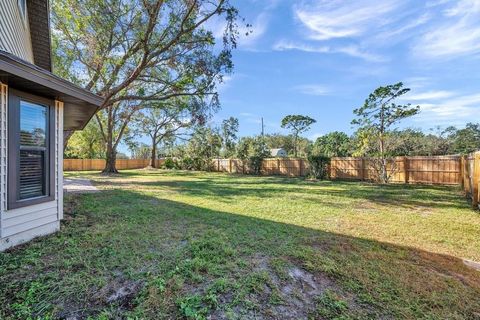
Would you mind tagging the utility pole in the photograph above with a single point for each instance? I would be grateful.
(263, 128)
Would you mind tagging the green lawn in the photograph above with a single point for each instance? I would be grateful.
(159, 244)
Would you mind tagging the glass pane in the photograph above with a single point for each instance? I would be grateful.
(33, 124)
(32, 177)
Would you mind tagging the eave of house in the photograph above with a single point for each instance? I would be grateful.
(79, 104)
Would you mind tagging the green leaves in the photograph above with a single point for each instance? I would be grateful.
(375, 119)
(379, 110)
(297, 123)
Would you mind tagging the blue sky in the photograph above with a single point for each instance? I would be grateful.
(323, 58)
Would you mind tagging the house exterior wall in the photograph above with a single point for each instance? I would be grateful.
(15, 31)
(23, 224)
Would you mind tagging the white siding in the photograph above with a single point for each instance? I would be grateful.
(15, 31)
(22, 224)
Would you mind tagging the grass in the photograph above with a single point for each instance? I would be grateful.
(159, 244)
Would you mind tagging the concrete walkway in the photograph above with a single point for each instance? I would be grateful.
(78, 185)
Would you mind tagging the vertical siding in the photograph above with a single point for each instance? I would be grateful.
(27, 220)
(15, 31)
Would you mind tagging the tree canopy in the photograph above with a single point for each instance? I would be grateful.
(297, 124)
(333, 144)
(135, 53)
(375, 120)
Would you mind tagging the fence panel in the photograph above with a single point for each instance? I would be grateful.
(99, 164)
(445, 170)
(432, 170)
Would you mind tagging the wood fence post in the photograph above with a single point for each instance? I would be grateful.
(362, 168)
(405, 169)
(476, 179)
(230, 165)
(462, 172)
(278, 166)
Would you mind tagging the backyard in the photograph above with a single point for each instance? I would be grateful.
(176, 244)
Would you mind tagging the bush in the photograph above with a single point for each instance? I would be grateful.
(253, 150)
(195, 163)
(170, 164)
(318, 166)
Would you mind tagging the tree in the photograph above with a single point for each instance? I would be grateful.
(165, 121)
(287, 142)
(253, 150)
(229, 130)
(375, 119)
(86, 144)
(135, 53)
(333, 144)
(140, 150)
(203, 146)
(466, 140)
(297, 124)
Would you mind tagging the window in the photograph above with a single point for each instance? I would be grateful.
(31, 150)
(22, 7)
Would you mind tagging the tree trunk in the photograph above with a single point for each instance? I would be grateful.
(153, 157)
(295, 146)
(111, 159)
(383, 161)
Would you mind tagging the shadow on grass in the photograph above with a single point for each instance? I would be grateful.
(227, 187)
(185, 249)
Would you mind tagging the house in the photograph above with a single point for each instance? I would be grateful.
(278, 153)
(36, 109)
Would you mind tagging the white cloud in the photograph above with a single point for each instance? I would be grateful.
(247, 36)
(417, 82)
(455, 110)
(258, 29)
(326, 20)
(352, 50)
(312, 89)
(457, 34)
(429, 95)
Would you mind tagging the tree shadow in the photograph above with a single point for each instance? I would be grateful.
(227, 187)
(127, 234)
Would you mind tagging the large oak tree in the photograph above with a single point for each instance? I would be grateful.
(138, 52)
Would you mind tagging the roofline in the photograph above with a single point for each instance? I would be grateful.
(14, 65)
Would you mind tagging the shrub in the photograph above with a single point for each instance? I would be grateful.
(318, 166)
(195, 163)
(253, 150)
(170, 164)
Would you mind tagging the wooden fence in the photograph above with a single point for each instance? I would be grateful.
(99, 164)
(470, 180)
(442, 170)
(432, 170)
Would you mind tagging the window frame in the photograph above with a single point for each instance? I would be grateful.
(13, 179)
(22, 8)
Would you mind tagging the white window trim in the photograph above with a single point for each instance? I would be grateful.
(22, 9)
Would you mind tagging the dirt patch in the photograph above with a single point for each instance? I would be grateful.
(472, 264)
(299, 292)
(289, 292)
(120, 292)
